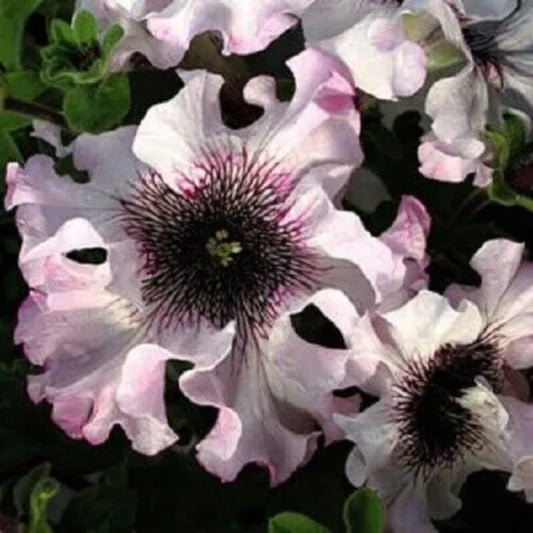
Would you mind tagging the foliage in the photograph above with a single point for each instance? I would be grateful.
(363, 513)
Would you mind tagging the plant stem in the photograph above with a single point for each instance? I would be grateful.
(35, 110)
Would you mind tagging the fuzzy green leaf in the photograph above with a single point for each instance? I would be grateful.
(45, 489)
(97, 108)
(84, 28)
(500, 148)
(61, 32)
(23, 85)
(76, 56)
(288, 522)
(12, 121)
(364, 512)
(111, 37)
(8, 150)
(13, 15)
(515, 132)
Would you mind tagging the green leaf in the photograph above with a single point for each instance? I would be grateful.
(507, 141)
(43, 491)
(508, 145)
(97, 108)
(364, 512)
(499, 191)
(13, 15)
(61, 32)
(525, 201)
(500, 147)
(17, 9)
(289, 522)
(32, 495)
(516, 133)
(12, 121)
(8, 151)
(23, 85)
(84, 27)
(76, 56)
(111, 37)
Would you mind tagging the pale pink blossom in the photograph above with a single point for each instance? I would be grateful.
(449, 405)
(496, 41)
(204, 248)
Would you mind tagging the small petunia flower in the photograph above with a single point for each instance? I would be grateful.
(245, 27)
(450, 399)
(496, 41)
(200, 253)
(131, 16)
(369, 37)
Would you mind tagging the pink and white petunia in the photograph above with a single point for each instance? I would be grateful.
(496, 41)
(199, 253)
(449, 397)
(368, 36)
(131, 16)
(245, 27)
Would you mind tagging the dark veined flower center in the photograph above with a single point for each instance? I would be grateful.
(223, 247)
(484, 40)
(436, 429)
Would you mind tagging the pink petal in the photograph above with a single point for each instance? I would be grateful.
(428, 321)
(369, 39)
(315, 136)
(245, 28)
(505, 296)
(248, 428)
(407, 239)
(448, 162)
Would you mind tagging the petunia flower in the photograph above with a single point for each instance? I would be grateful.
(450, 399)
(368, 36)
(496, 41)
(199, 253)
(245, 27)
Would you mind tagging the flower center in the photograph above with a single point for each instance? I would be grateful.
(222, 246)
(436, 428)
(221, 249)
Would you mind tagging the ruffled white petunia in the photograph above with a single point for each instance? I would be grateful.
(368, 36)
(496, 41)
(449, 397)
(200, 257)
